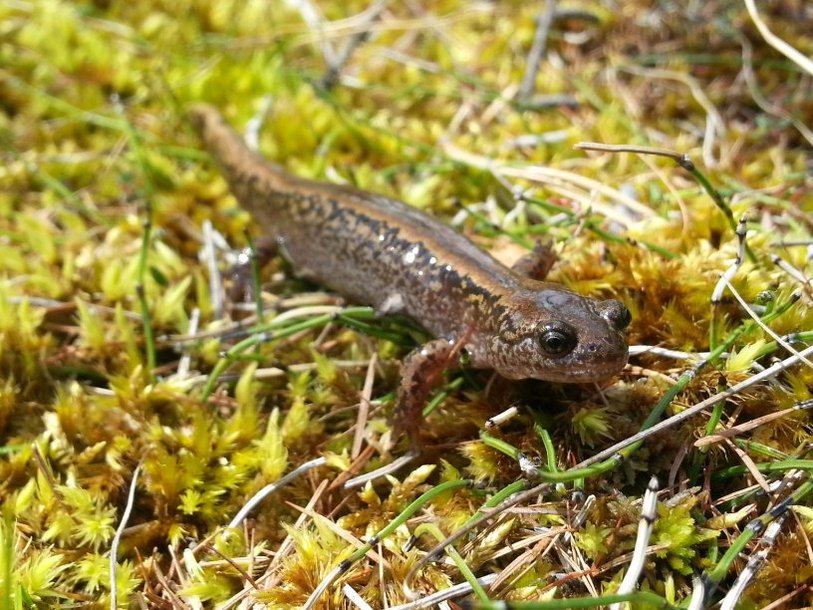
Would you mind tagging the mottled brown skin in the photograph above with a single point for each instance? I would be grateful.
(382, 252)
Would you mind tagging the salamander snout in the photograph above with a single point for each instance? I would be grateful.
(616, 314)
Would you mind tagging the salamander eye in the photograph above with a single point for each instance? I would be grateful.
(557, 338)
(615, 313)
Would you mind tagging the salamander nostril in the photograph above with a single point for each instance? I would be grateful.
(616, 314)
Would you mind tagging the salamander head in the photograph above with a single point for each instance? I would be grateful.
(556, 335)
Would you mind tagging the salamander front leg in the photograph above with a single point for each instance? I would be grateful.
(537, 263)
(241, 287)
(420, 374)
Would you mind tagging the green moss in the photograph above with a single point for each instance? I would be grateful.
(93, 136)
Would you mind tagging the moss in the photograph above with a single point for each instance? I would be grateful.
(94, 143)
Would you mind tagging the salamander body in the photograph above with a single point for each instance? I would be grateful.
(378, 251)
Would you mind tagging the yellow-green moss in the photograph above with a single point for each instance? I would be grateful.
(92, 135)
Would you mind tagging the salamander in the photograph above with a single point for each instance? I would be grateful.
(378, 251)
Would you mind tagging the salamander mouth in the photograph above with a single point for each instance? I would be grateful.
(591, 370)
(573, 372)
(585, 365)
